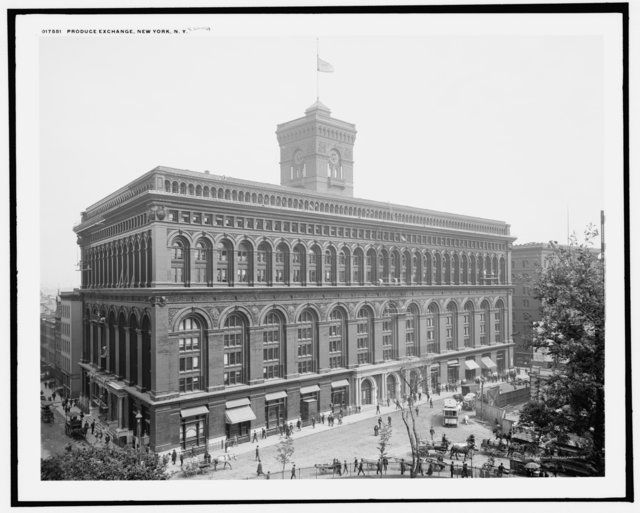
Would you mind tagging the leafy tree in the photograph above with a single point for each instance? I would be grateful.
(571, 330)
(284, 451)
(383, 439)
(102, 464)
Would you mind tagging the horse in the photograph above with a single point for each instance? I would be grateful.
(224, 459)
(461, 448)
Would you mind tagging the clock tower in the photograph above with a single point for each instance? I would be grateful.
(316, 152)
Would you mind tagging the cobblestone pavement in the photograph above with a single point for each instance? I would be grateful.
(354, 439)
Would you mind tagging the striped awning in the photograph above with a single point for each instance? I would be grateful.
(275, 396)
(241, 414)
(309, 390)
(192, 412)
(339, 384)
(471, 365)
(488, 362)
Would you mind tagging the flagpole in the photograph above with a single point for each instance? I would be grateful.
(317, 72)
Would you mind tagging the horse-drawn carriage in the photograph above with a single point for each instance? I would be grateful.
(73, 427)
(329, 468)
(430, 448)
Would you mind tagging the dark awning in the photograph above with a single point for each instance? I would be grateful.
(192, 412)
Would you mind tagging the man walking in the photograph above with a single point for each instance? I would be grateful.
(378, 409)
(402, 467)
(255, 437)
(293, 472)
(93, 425)
(430, 403)
(174, 456)
(355, 465)
(389, 420)
(378, 467)
(313, 422)
(451, 469)
(257, 453)
(345, 467)
(181, 460)
(360, 469)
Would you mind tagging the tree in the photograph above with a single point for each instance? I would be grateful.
(409, 420)
(285, 451)
(102, 464)
(383, 440)
(571, 330)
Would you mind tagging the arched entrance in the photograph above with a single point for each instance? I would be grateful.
(392, 390)
(366, 392)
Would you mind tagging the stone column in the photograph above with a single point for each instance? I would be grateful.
(127, 351)
(476, 328)
(444, 374)
(442, 329)
(357, 388)
(352, 343)
(117, 347)
(489, 326)
(460, 329)
(215, 340)
(291, 369)
(255, 356)
(377, 341)
(91, 336)
(138, 335)
(401, 333)
(323, 346)
(383, 388)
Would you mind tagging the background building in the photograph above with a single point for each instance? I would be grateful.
(70, 342)
(213, 306)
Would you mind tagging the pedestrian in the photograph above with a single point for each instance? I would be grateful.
(258, 452)
(464, 470)
(299, 424)
(419, 396)
(375, 430)
(379, 422)
(388, 402)
(322, 418)
(419, 469)
(378, 467)
(259, 470)
(264, 433)
(389, 420)
(385, 464)
(355, 464)
(174, 456)
(340, 419)
(430, 403)
(235, 440)
(268, 474)
(181, 459)
(255, 436)
(293, 472)
(345, 467)
(378, 409)
(402, 467)
(501, 470)
(430, 469)
(313, 422)
(417, 412)
(451, 469)
(432, 432)
(226, 445)
(360, 469)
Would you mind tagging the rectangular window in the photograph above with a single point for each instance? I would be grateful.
(228, 221)
(219, 220)
(208, 219)
(196, 218)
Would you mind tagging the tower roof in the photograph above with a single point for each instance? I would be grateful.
(319, 108)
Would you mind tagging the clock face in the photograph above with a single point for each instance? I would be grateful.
(334, 157)
(297, 157)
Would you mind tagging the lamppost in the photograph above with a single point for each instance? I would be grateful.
(138, 419)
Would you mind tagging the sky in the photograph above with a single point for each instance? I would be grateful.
(503, 126)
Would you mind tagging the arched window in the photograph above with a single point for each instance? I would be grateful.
(411, 330)
(273, 339)
(438, 269)
(313, 266)
(329, 266)
(343, 265)
(468, 324)
(370, 267)
(392, 394)
(498, 322)
(433, 329)
(416, 268)
(473, 270)
(282, 264)
(358, 265)
(366, 392)
(179, 264)
(204, 262)
(337, 337)
(389, 332)
(307, 342)
(428, 270)
(224, 262)
(263, 264)
(190, 344)
(447, 269)
(456, 269)
(364, 336)
(244, 262)
(235, 358)
(484, 322)
(465, 270)
(298, 265)
(502, 272)
(451, 321)
(395, 267)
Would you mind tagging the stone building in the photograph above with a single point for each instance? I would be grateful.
(214, 306)
(70, 342)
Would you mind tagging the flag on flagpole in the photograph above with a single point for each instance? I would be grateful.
(324, 66)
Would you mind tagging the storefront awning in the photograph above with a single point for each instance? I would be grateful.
(471, 365)
(237, 403)
(241, 414)
(192, 412)
(488, 362)
(453, 363)
(275, 396)
(339, 384)
(309, 390)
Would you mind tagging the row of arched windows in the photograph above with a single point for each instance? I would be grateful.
(121, 263)
(224, 263)
(306, 346)
(277, 200)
